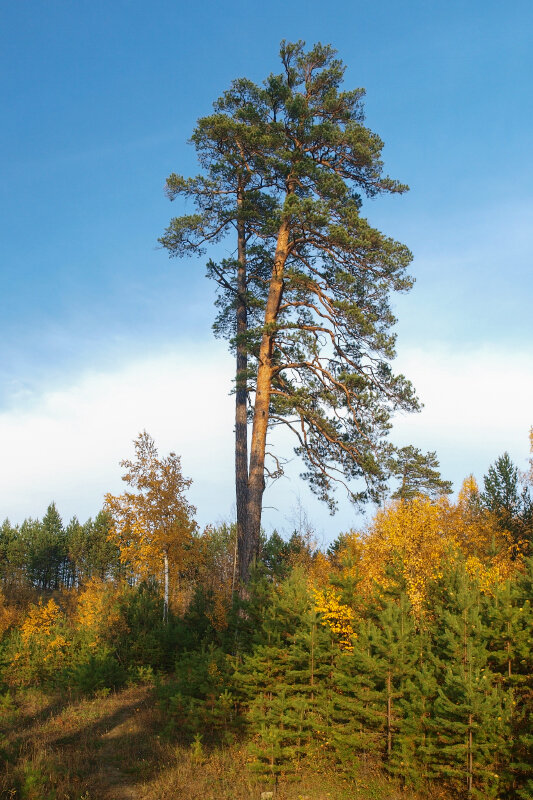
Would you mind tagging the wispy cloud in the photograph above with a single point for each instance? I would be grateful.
(477, 404)
(66, 446)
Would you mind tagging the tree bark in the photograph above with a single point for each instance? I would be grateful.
(389, 715)
(165, 602)
(265, 371)
(241, 393)
(470, 756)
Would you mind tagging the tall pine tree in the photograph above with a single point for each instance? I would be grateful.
(287, 165)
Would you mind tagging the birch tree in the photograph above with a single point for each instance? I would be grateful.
(153, 526)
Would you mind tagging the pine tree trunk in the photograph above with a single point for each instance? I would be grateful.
(465, 642)
(389, 715)
(470, 758)
(508, 648)
(313, 632)
(265, 371)
(165, 601)
(234, 573)
(241, 396)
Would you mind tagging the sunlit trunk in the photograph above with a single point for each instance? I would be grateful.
(256, 479)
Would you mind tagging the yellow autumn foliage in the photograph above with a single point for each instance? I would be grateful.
(40, 620)
(418, 535)
(336, 615)
(319, 569)
(153, 527)
(41, 633)
(96, 611)
(90, 606)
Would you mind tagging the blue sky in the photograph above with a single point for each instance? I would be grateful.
(99, 100)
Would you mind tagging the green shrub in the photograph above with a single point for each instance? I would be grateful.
(99, 671)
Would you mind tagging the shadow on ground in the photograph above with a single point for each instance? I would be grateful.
(99, 749)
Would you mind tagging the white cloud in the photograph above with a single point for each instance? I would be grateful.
(66, 446)
(477, 404)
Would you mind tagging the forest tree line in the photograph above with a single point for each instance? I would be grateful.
(405, 646)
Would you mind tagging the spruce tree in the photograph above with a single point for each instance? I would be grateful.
(13, 557)
(507, 616)
(309, 676)
(356, 713)
(471, 728)
(470, 723)
(511, 502)
(416, 706)
(47, 552)
(371, 680)
(521, 767)
(418, 473)
(284, 681)
(90, 550)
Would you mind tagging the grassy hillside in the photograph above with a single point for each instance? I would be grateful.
(399, 658)
(115, 748)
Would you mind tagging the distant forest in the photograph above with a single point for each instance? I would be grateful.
(407, 646)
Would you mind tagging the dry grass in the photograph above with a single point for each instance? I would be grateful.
(60, 748)
(224, 775)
